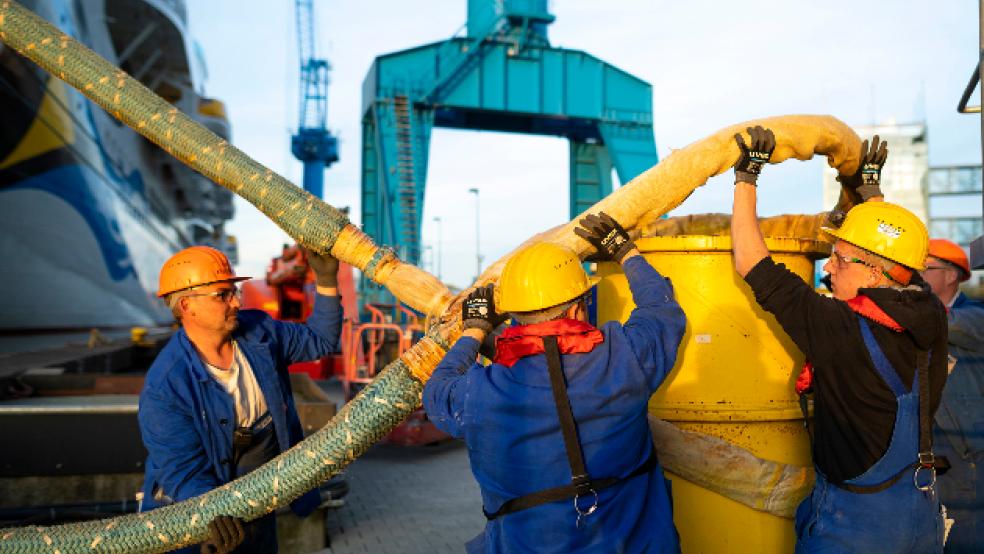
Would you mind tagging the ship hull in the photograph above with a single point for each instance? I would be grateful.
(74, 260)
(89, 209)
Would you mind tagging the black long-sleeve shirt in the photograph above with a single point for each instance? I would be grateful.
(854, 409)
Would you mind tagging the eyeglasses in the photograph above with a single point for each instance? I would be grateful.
(225, 295)
(843, 261)
(932, 267)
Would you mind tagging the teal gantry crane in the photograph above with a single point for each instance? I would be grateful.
(313, 144)
(502, 75)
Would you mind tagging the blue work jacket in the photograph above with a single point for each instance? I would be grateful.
(509, 422)
(187, 418)
(959, 431)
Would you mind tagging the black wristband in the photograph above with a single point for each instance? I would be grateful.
(868, 191)
(482, 324)
(746, 177)
(326, 281)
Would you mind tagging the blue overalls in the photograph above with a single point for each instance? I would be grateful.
(260, 448)
(898, 519)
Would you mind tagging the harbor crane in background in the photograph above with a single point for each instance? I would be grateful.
(502, 75)
(313, 144)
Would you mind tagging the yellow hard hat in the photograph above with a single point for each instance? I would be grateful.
(194, 267)
(541, 276)
(888, 230)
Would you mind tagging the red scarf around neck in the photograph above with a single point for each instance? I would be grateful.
(865, 307)
(519, 341)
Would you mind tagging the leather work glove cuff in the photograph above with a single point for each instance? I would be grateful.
(330, 280)
(869, 190)
(746, 177)
(477, 323)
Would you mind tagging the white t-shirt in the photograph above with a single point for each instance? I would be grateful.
(240, 382)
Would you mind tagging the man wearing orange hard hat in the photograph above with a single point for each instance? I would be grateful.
(960, 418)
(217, 403)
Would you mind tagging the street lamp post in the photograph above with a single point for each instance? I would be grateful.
(437, 220)
(429, 258)
(478, 247)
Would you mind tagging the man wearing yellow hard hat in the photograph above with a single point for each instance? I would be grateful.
(878, 356)
(217, 402)
(556, 426)
(960, 419)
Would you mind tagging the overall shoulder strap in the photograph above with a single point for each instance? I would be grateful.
(579, 474)
(927, 461)
(882, 365)
(581, 485)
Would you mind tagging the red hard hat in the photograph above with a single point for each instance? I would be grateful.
(194, 267)
(949, 251)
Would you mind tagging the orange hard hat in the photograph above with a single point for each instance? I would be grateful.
(949, 251)
(194, 267)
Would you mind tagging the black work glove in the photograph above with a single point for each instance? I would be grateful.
(753, 157)
(325, 267)
(606, 235)
(225, 533)
(866, 181)
(478, 310)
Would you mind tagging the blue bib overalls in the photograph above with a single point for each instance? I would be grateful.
(261, 533)
(899, 519)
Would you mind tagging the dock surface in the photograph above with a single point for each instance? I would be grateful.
(408, 500)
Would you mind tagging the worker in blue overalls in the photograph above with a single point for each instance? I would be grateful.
(556, 426)
(217, 402)
(960, 419)
(878, 356)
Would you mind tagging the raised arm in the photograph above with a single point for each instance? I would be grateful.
(746, 237)
(321, 333)
(656, 325)
(443, 398)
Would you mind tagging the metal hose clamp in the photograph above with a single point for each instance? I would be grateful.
(585, 513)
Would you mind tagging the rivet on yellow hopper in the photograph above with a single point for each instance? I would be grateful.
(730, 396)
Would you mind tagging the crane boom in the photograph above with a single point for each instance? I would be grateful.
(313, 144)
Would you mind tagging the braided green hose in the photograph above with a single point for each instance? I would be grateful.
(382, 405)
(396, 391)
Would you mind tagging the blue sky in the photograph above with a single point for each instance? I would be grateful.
(711, 64)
